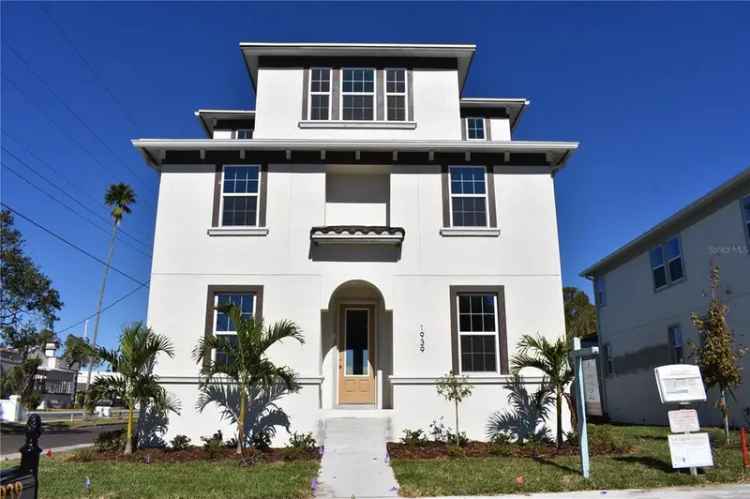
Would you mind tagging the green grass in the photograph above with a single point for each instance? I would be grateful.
(648, 466)
(64, 479)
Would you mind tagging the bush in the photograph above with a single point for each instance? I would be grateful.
(413, 437)
(462, 438)
(571, 438)
(180, 442)
(438, 430)
(214, 444)
(455, 451)
(296, 454)
(501, 449)
(261, 439)
(304, 441)
(501, 438)
(110, 441)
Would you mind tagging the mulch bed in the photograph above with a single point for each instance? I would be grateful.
(196, 454)
(438, 450)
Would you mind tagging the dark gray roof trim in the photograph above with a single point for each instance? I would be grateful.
(727, 192)
(513, 106)
(208, 117)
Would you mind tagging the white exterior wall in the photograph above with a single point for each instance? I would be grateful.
(500, 128)
(636, 318)
(415, 288)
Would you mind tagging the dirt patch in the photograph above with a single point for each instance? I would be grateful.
(437, 450)
(196, 454)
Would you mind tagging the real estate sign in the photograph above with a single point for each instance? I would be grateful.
(690, 450)
(683, 421)
(679, 383)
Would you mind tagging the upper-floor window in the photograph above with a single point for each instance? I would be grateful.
(358, 94)
(475, 129)
(676, 347)
(746, 216)
(240, 187)
(244, 133)
(223, 325)
(395, 94)
(600, 291)
(468, 196)
(320, 94)
(666, 263)
(477, 332)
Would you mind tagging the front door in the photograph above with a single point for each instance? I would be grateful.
(356, 377)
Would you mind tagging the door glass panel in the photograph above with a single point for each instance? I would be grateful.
(356, 343)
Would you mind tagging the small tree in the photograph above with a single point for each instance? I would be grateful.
(717, 355)
(454, 389)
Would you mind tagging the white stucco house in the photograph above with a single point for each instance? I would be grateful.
(646, 291)
(366, 199)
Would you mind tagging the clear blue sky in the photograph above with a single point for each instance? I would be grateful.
(657, 94)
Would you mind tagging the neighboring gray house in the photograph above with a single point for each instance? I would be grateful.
(646, 291)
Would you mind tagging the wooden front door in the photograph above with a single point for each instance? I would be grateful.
(356, 376)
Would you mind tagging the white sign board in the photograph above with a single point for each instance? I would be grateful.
(683, 421)
(679, 383)
(691, 450)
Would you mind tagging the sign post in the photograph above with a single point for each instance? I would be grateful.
(579, 355)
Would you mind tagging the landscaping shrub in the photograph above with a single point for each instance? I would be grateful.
(438, 430)
(304, 441)
(180, 442)
(296, 453)
(213, 445)
(110, 441)
(455, 451)
(504, 449)
(231, 443)
(413, 437)
(261, 439)
(462, 438)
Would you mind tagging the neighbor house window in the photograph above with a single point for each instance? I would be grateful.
(600, 291)
(676, 347)
(223, 325)
(666, 263)
(244, 133)
(475, 128)
(477, 332)
(468, 196)
(746, 217)
(609, 363)
(239, 198)
(358, 94)
(320, 94)
(395, 94)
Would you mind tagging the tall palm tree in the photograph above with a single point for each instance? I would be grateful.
(119, 197)
(244, 363)
(550, 357)
(134, 381)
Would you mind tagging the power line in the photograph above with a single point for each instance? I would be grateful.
(123, 297)
(72, 245)
(70, 110)
(72, 197)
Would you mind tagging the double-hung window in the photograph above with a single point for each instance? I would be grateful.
(223, 325)
(478, 332)
(468, 196)
(358, 94)
(600, 291)
(746, 216)
(676, 347)
(475, 129)
(666, 263)
(395, 94)
(239, 197)
(320, 94)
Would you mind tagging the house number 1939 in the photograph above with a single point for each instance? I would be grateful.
(421, 338)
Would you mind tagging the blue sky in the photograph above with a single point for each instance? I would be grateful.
(657, 94)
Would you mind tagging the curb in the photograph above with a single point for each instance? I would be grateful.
(55, 450)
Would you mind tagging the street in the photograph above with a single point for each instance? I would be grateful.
(53, 437)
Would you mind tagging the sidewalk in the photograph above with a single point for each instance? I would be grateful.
(729, 491)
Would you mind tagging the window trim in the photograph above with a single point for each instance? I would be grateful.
(484, 127)
(404, 94)
(216, 217)
(310, 93)
(670, 343)
(501, 333)
(373, 94)
(213, 290)
(670, 282)
(461, 334)
(486, 196)
(240, 194)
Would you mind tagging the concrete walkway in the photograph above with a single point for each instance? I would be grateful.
(354, 460)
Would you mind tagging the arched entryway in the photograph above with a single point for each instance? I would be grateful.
(357, 346)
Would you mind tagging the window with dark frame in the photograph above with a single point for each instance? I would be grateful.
(475, 129)
(468, 196)
(666, 263)
(676, 346)
(320, 94)
(478, 332)
(395, 94)
(223, 325)
(600, 291)
(240, 187)
(609, 363)
(358, 94)
(746, 217)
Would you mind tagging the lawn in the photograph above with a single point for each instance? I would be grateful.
(59, 478)
(648, 465)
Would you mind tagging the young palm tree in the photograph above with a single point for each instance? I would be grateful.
(134, 381)
(119, 197)
(244, 363)
(552, 359)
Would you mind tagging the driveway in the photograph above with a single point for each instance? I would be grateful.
(53, 437)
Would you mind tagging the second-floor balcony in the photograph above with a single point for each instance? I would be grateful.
(357, 234)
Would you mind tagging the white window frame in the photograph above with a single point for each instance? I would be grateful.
(372, 94)
(484, 127)
(486, 196)
(404, 94)
(346, 334)
(477, 333)
(239, 194)
(216, 315)
(310, 93)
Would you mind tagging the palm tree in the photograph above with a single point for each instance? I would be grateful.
(134, 381)
(119, 197)
(244, 363)
(552, 359)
